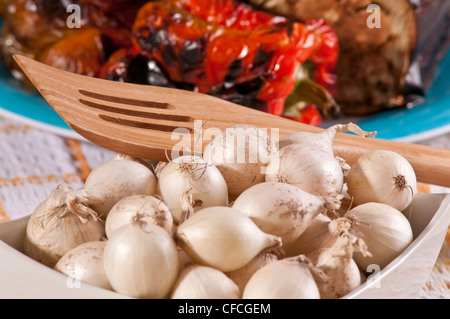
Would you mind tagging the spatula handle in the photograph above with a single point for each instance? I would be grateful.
(431, 164)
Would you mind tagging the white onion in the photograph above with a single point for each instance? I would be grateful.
(141, 261)
(384, 229)
(85, 263)
(384, 177)
(116, 179)
(189, 183)
(323, 139)
(223, 238)
(307, 160)
(309, 168)
(281, 209)
(288, 278)
(60, 223)
(202, 282)
(147, 208)
(241, 153)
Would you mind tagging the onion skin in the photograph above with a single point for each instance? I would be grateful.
(141, 261)
(59, 224)
(85, 263)
(282, 209)
(242, 165)
(339, 272)
(383, 177)
(309, 168)
(283, 279)
(339, 281)
(202, 282)
(214, 234)
(384, 229)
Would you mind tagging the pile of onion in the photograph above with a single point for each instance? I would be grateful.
(198, 227)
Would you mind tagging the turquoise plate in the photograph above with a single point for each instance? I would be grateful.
(426, 120)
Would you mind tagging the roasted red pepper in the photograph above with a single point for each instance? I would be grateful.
(230, 14)
(229, 50)
(220, 47)
(325, 55)
(314, 41)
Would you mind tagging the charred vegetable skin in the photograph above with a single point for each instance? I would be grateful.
(235, 64)
(241, 55)
(129, 65)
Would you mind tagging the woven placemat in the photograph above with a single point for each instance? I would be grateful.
(33, 162)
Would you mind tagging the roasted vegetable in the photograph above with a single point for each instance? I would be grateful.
(38, 28)
(372, 62)
(223, 47)
(37, 23)
(253, 64)
(114, 18)
(82, 52)
(3, 8)
(129, 65)
(9, 46)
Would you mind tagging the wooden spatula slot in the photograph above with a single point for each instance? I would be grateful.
(142, 125)
(137, 113)
(129, 101)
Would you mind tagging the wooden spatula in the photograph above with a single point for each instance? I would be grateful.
(139, 120)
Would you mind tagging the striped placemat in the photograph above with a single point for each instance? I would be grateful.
(33, 162)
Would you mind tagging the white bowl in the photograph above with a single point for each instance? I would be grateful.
(21, 277)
